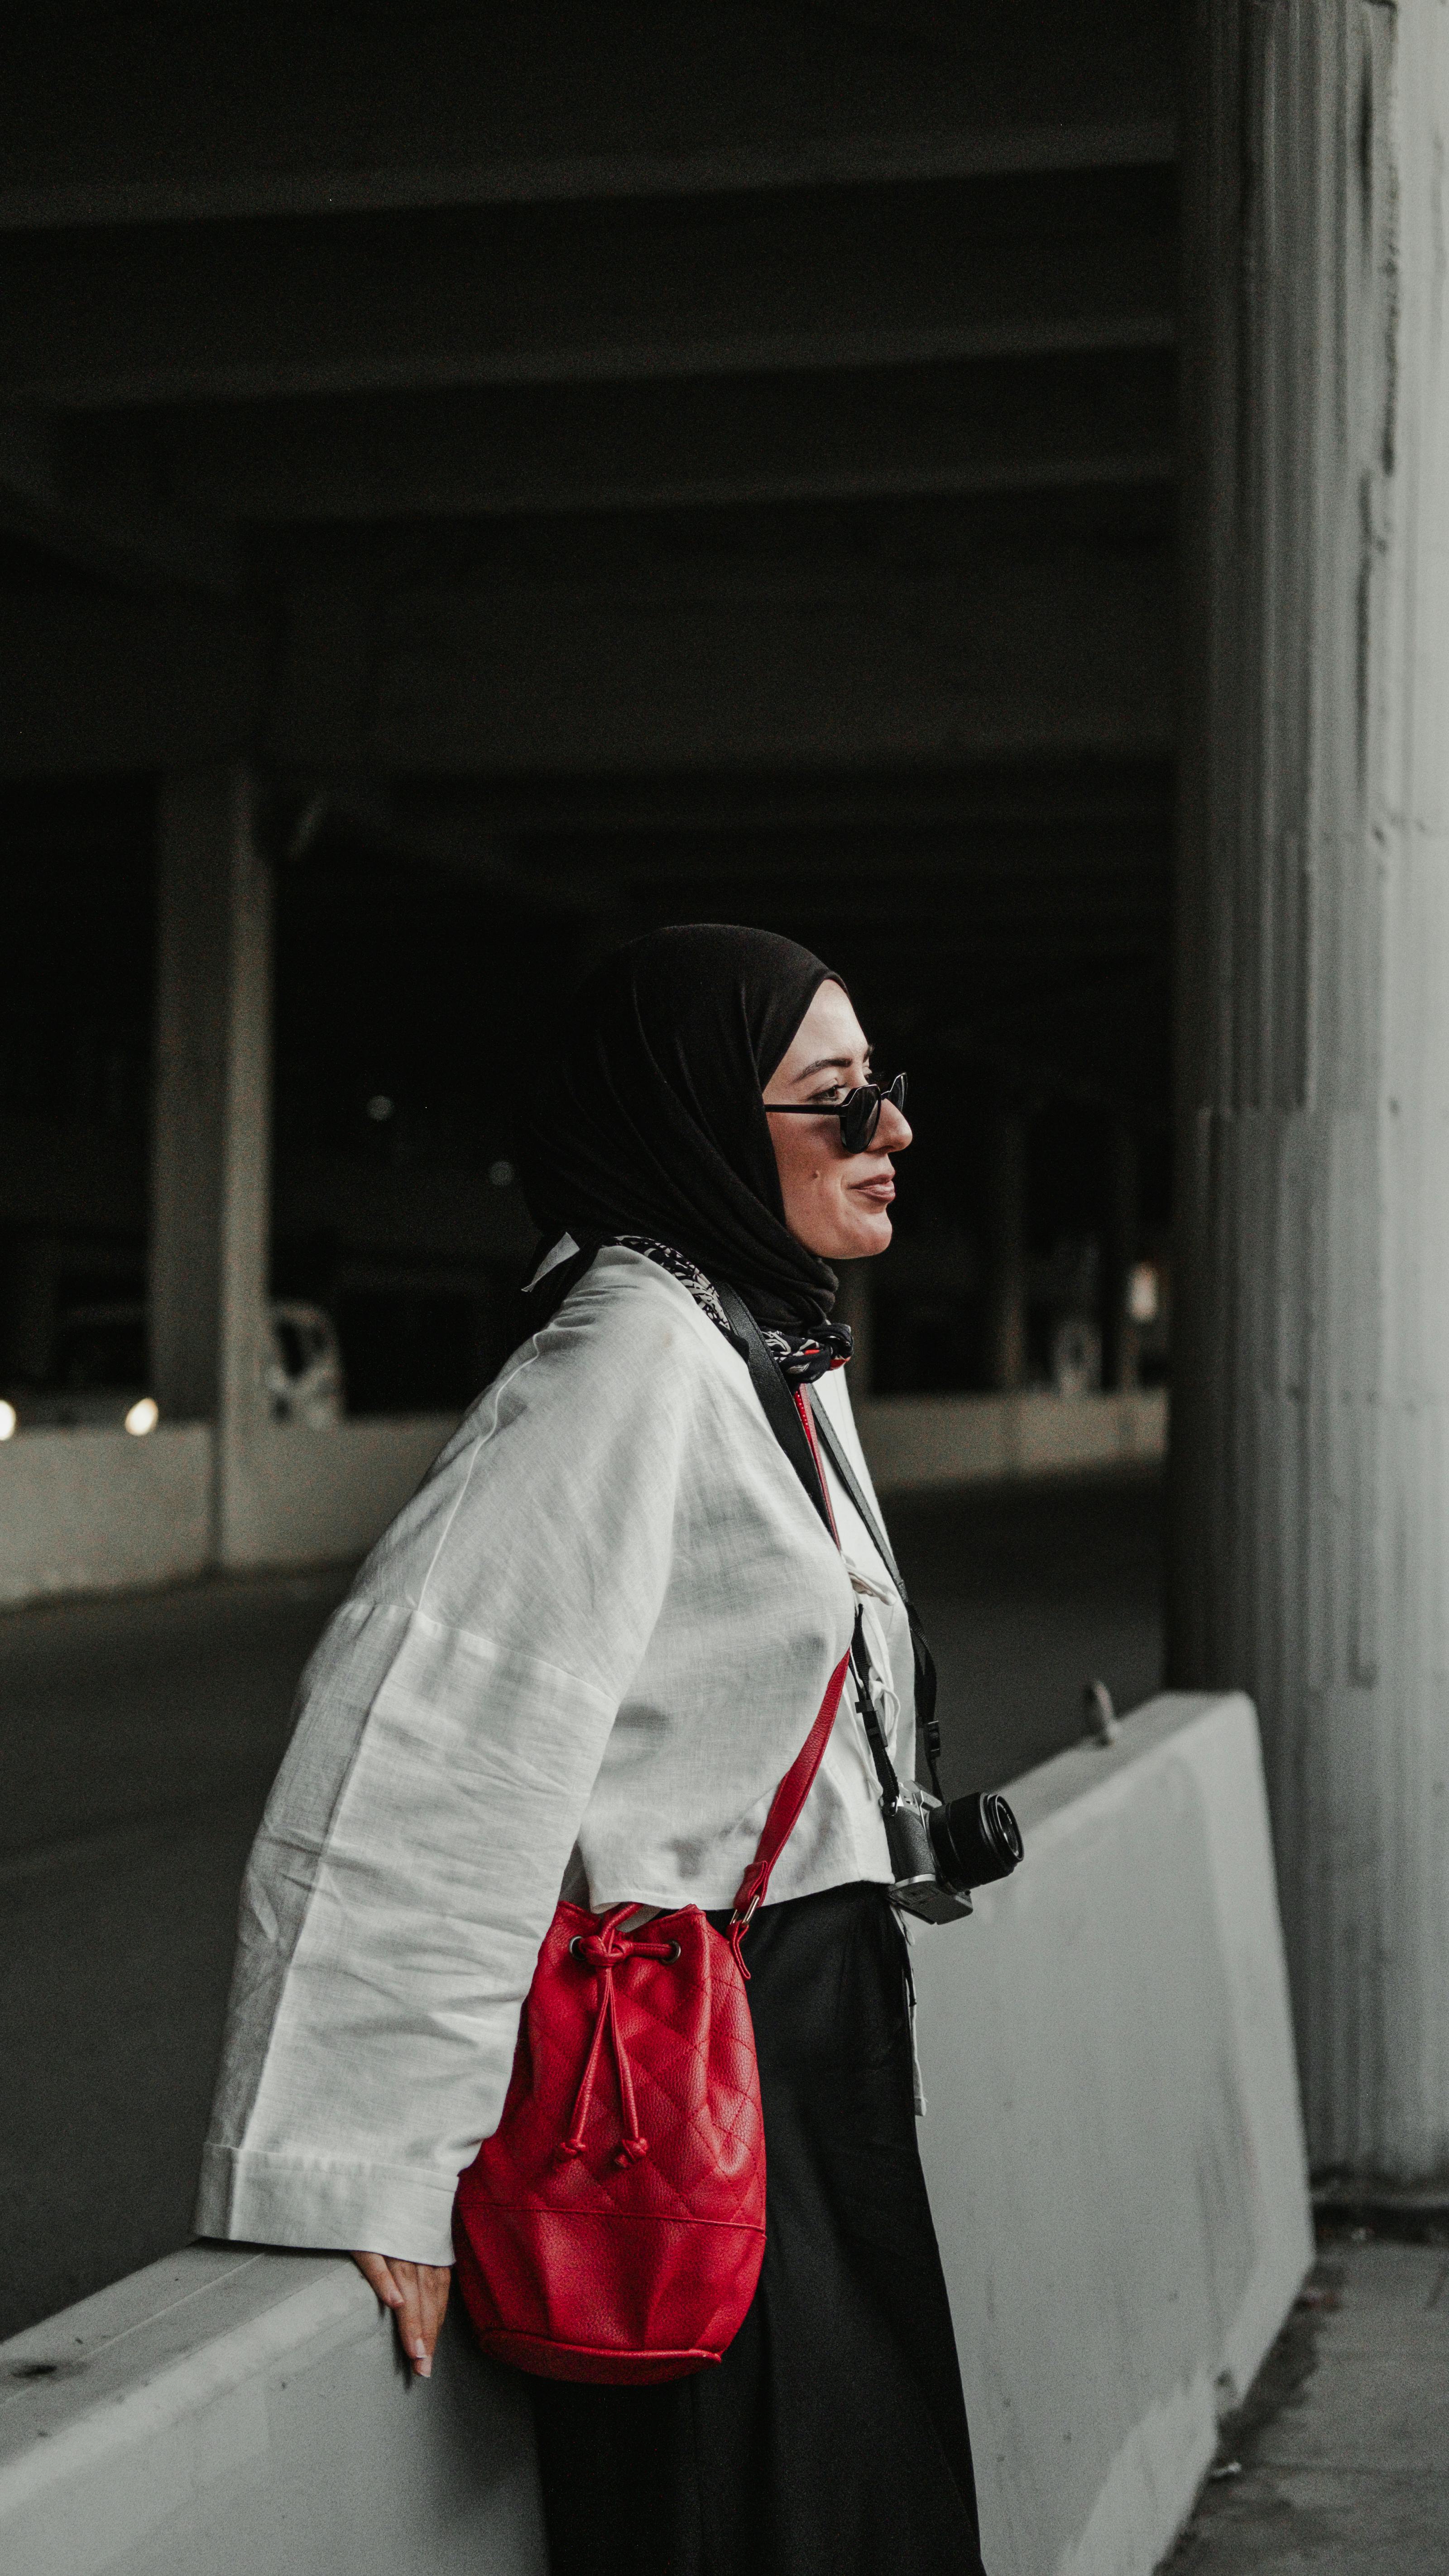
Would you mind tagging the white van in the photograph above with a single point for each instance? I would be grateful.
(304, 1373)
(99, 1375)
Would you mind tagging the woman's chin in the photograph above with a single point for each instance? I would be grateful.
(860, 1234)
(870, 1232)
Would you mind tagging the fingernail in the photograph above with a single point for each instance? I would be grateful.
(418, 2348)
(424, 2368)
(394, 2298)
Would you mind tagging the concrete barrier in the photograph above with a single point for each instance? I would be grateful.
(236, 2414)
(1113, 2139)
(1116, 2164)
(916, 1443)
(98, 1511)
(101, 1511)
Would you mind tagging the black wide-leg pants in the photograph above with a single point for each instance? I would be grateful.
(831, 2440)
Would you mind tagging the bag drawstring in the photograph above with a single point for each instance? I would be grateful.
(740, 1921)
(604, 1951)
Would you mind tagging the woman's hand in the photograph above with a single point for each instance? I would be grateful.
(417, 2294)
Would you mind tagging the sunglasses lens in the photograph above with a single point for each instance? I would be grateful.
(860, 1121)
(861, 1116)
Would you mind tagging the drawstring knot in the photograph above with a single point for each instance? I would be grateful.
(604, 1951)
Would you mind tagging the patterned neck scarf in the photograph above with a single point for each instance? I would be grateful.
(800, 1356)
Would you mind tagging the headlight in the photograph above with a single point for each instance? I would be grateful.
(144, 1415)
(1142, 1293)
(7, 1420)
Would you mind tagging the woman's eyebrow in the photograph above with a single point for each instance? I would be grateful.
(829, 1064)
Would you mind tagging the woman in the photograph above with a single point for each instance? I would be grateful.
(583, 1657)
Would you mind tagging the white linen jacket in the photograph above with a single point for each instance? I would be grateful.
(584, 1653)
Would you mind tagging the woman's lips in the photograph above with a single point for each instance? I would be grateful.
(882, 1191)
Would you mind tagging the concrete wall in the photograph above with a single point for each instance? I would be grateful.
(96, 1511)
(1116, 2164)
(915, 1442)
(92, 1511)
(100, 1511)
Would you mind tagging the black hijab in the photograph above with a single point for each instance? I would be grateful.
(652, 1123)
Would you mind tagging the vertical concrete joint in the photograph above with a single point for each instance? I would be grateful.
(211, 1157)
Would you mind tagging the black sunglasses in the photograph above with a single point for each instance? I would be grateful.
(858, 1113)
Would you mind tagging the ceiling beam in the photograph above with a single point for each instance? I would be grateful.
(753, 549)
(1033, 904)
(1061, 794)
(90, 686)
(123, 117)
(954, 427)
(1039, 890)
(978, 954)
(1067, 654)
(1071, 652)
(119, 536)
(1053, 876)
(1049, 887)
(831, 277)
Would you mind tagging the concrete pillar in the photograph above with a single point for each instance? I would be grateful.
(211, 1151)
(1119, 1252)
(1310, 1445)
(1006, 1251)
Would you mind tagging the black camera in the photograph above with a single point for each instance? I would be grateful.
(940, 1849)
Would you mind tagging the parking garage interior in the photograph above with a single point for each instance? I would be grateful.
(551, 474)
(967, 488)
(596, 482)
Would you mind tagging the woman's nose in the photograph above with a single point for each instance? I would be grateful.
(893, 1133)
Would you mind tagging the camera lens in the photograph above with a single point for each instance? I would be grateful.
(975, 1839)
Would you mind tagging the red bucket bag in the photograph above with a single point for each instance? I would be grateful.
(613, 2227)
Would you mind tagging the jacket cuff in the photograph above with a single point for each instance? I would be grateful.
(326, 2205)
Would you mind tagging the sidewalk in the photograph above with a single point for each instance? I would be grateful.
(1343, 2446)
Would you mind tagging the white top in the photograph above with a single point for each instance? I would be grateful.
(586, 1651)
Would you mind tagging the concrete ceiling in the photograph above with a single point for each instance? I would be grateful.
(675, 458)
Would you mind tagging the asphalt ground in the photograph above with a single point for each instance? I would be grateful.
(138, 1737)
(1338, 2465)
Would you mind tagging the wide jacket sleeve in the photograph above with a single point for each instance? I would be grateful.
(450, 1728)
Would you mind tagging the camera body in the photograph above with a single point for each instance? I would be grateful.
(940, 1849)
(919, 1888)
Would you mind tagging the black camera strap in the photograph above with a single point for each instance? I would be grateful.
(885, 1770)
(784, 1420)
(925, 1661)
(775, 1396)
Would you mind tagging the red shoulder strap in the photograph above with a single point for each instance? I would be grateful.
(796, 1786)
(787, 1802)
